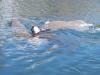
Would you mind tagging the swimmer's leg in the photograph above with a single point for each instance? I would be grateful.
(19, 29)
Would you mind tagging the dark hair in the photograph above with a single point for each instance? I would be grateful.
(32, 29)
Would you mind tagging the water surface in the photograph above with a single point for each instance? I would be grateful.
(69, 52)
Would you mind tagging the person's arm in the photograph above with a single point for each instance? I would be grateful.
(19, 29)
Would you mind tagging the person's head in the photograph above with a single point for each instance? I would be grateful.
(35, 30)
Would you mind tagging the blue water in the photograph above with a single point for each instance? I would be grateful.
(69, 52)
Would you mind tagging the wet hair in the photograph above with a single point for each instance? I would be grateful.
(32, 29)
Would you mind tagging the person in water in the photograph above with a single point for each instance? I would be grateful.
(78, 25)
(46, 29)
(35, 30)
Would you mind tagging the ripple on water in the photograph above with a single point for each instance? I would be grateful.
(40, 62)
(51, 55)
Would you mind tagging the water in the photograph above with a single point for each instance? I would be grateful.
(69, 52)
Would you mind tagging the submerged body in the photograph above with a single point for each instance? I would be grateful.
(20, 29)
(78, 25)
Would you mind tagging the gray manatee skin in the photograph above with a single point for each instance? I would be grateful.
(55, 25)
